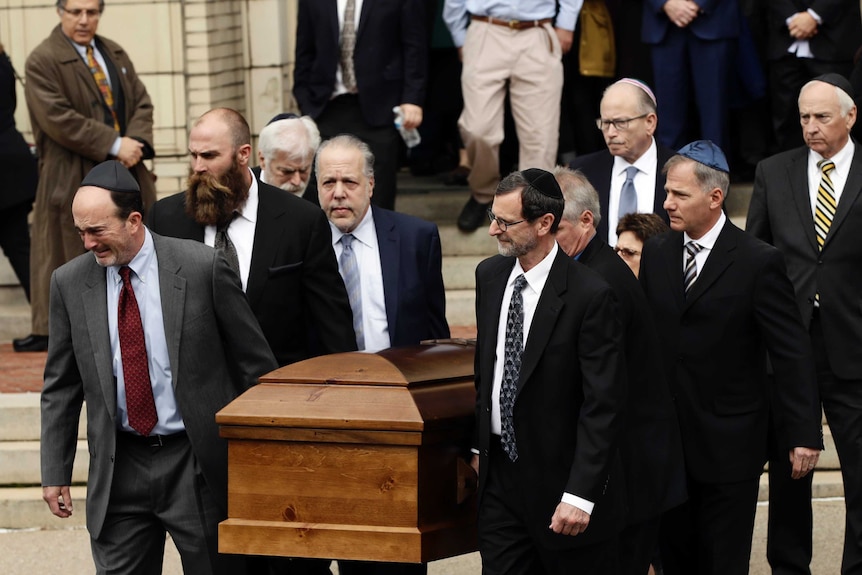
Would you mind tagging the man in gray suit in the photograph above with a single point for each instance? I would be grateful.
(156, 335)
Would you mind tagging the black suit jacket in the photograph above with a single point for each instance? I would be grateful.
(598, 168)
(780, 214)
(651, 447)
(714, 343)
(294, 287)
(838, 36)
(570, 394)
(390, 56)
(411, 261)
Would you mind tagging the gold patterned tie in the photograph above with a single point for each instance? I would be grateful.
(348, 43)
(102, 82)
(824, 209)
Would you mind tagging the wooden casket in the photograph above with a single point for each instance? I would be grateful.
(354, 456)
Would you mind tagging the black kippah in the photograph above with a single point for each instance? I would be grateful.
(838, 81)
(113, 176)
(544, 182)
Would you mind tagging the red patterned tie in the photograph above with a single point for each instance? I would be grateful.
(140, 405)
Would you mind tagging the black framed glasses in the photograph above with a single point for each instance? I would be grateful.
(621, 124)
(502, 224)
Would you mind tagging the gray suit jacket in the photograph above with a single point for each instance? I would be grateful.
(780, 214)
(216, 350)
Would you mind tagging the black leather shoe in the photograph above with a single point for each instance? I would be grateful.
(31, 343)
(473, 215)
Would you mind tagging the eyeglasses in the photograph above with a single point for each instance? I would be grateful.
(626, 252)
(621, 125)
(76, 13)
(502, 224)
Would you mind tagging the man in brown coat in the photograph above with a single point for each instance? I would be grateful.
(86, 105)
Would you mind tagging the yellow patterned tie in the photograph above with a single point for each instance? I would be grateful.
(824, 210)
(102, 82)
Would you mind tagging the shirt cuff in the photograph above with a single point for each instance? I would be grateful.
(579, 502)
(115, 149)
(816, 16)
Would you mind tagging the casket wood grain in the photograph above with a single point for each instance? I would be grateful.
(354, 456)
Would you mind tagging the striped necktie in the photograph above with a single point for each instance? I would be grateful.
(691, 250)
(102, 83)
(824, 209)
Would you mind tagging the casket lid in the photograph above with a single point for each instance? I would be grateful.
(416, 388)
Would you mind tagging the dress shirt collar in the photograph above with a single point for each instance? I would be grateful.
(141, 264)
(647, 163)
(365, 232)
(249, 208)
(538, 274)
(707, 241)
(842, 159)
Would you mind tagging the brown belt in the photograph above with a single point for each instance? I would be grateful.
(513, 24)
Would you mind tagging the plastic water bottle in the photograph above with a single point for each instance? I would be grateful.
(411, 137)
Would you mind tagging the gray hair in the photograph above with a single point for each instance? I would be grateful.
(580, 195)
(299, 138)
(62, 4)
(707, 178)
(350, 142)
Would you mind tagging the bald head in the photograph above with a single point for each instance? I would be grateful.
(624, 101)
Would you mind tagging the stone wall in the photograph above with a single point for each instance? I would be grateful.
(192, 55)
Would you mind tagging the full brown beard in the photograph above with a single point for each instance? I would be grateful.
(211, 200)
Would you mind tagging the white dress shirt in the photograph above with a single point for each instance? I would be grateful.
(145, 283)
(644, 182)
(241, 232)
(842, 161)
(375, 325)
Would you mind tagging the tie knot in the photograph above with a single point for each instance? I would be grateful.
(631, 172)
(520, 283)
(126, 274)
(347, 241)
(89, 49)
(693, 248)
(826, 166)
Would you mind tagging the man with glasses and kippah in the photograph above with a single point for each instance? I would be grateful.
(550, 395)
(628, 174)
(86, 105)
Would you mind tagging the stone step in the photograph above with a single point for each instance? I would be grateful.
(461, 307)
(20, 418)
(14, 320)
(23, 507)
(19, 463)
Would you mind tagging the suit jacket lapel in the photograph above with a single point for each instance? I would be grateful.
(848, 196)
(389, 245)
(674, 267)
(267, 239)
(363, 18)
(172, 289)
(493, 287)
(798, 180)
(545, 319)
(95, 301)
(720, 258)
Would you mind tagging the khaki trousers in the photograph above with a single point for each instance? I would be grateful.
(528, 63)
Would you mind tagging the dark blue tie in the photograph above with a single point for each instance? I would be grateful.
(512, 367)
